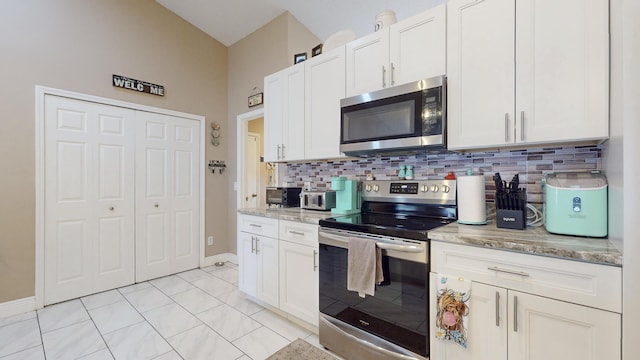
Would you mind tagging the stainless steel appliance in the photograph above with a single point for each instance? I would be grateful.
(283, 196)
(393, 324)
(405, 117)
(318, 199)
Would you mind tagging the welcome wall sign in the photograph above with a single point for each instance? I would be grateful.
(137, 85)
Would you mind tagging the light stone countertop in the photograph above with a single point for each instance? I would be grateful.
(533, 240)
(292, 214)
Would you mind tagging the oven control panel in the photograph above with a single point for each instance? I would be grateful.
(410, 191)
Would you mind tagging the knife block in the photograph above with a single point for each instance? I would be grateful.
(511, 219)
(514, 213)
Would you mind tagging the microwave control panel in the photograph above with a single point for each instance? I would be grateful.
(432, 111)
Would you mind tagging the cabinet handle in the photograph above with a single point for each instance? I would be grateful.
(257, 239)
(282, 151)
(253, 249)
(384, 84)
(111, 208)
(296, 232)
(522, 125)
(497, 308)
(315, 263)
(515, 313)
(393, 67)
(255, 225)
(506, 127)
(519, 273)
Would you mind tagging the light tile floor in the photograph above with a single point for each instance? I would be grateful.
(197, 314)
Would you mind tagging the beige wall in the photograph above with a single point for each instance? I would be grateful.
(267, 50)
(77, 46)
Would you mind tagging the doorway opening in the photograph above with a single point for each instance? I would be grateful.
(254, 175)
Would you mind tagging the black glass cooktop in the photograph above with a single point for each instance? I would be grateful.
(409, 221)
(406, 227)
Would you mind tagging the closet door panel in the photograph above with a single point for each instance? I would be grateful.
(167, 195)
(153, 229)
(89, 201)
(186, 195)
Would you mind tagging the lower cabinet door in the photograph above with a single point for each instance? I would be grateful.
(299, 281)
(546, 329)
(486, 325)
(247, 263)
(267, 278)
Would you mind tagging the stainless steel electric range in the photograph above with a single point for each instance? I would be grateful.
(393, 324)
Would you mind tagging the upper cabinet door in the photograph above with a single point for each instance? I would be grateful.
(562, 70)
(481, 73)
(293, 129)
(417, 47)
(324, 87)
(273, 115)
(368, 63)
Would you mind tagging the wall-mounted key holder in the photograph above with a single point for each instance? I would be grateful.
(217, 164)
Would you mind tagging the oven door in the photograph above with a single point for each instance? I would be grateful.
(393, 324)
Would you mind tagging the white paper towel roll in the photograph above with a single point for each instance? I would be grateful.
(472, 207)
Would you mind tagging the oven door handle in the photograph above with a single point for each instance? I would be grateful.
(396, 247)
(344, 241)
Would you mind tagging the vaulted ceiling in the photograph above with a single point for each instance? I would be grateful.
(231, 20)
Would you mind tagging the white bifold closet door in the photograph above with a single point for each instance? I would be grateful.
(89, 198)
(122, 192)
(167, 195)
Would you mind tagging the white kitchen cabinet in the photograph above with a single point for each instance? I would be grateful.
(267, 287)
(284, 114)
(531, 307)
(539, 75)
(258, 257)
(410, 50)
(487, 325)
(299, 277)
(299, 281)
(248, 263)
(540, 328)
(324, 88)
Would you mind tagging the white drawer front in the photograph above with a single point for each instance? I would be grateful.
(297, 232)
(595, 285)
(258, 225)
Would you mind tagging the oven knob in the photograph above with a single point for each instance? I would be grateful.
(445, 189)
(368, 187)
(435, 188)
(425, 188)
(376, 188)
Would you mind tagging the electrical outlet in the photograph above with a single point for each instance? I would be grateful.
(210, 240)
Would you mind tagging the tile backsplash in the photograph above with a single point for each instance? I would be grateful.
(530, 164)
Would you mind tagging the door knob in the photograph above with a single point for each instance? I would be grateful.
(157, 205)
(254, 195)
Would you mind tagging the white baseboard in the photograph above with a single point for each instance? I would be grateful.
(211, 260)
(18, 306)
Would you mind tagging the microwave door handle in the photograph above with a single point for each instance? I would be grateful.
(320, 200)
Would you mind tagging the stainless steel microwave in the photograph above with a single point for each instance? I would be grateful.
(404, 117)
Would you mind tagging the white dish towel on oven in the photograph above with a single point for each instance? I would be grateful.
(452, 317)
(364, 267)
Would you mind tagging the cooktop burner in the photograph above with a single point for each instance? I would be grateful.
(404, 209)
